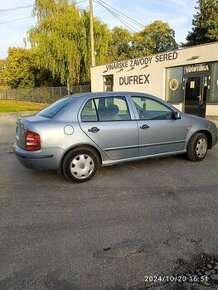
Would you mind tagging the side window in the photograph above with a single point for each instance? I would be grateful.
(89, 112)
(105, 109)
(112, 109)
(149, 109)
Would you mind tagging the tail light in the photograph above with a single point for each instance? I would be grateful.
(32, 141)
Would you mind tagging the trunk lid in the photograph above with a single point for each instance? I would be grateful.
(23, 125)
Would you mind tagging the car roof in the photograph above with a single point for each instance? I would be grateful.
(111, 93)
(88, 95)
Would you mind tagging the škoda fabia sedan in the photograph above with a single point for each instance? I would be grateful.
(78, 134)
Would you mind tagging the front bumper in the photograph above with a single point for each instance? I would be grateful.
(49, 158)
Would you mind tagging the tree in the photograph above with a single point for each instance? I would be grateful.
(205, 23)
(61, 39)
(3, 82)
(18, 69)
(58, 38)
(119, 46)
(102, 36)
(154, 38)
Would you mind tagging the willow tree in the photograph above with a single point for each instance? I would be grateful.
(102, 37)
(59, 38)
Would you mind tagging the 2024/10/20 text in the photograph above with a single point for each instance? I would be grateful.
(180, 278)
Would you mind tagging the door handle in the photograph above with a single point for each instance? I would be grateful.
(144, 127)
(94, 130)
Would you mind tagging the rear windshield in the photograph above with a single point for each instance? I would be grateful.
(54, 108)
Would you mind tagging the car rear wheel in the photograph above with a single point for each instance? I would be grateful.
(80, 164)
(197, 147)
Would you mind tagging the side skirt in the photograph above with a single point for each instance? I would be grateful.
(113, 162)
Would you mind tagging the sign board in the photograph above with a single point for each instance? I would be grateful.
(142, 61)
(196, 68)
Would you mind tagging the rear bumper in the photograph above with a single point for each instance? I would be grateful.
(43, 159)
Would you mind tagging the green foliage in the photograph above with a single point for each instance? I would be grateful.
(3, 81)
(59, 38)
(119, 46)
(18, 71)
(61, 50)
(205, 23)
(102, 36)
(154, 38)
(62, 40)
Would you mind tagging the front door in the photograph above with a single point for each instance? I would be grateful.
(159, 131)
(195, 95)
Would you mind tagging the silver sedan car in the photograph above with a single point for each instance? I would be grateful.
(78, 134)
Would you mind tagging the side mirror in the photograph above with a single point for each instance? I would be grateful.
(177, 115)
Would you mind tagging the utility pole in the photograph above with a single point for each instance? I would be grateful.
(92, 33)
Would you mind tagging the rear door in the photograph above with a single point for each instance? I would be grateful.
(108, 122)
(159, 131)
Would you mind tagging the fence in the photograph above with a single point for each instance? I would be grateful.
(41, 94)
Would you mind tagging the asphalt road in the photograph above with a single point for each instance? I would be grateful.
(140, 219)
(151, 218)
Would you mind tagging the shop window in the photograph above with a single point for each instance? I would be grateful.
(213, 96)
(108, 83)
(174, 92)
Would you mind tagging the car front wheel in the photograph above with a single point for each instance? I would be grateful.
(197, 147)
(80, 165)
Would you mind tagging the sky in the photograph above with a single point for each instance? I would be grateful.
(14, 24)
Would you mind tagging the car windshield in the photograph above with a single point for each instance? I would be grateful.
(54, 108)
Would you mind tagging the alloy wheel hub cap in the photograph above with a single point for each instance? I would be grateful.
(201, 147)
(82, 166)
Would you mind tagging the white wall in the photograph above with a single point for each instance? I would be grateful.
(147, 74)
(212, 110)
(153, 66)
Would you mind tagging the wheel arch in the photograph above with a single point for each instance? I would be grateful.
(208, 135)
(80, 146)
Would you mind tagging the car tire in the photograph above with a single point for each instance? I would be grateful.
(197, 147)
(80, 164)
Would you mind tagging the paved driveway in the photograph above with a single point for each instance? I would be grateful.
(152, 218)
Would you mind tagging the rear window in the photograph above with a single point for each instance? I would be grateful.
(54, 108)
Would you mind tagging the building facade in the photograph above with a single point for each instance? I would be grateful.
(186, 78)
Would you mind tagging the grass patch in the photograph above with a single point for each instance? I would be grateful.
(8, 106)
